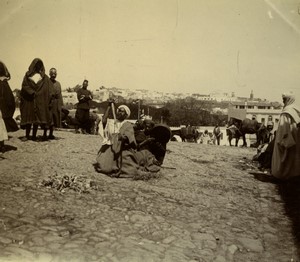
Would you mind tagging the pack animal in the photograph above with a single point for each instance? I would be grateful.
(187, 134)
(247, 126)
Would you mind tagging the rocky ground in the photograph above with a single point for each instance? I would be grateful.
(209, 203)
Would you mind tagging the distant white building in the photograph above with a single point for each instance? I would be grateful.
(262, 111)
(221, 96)
(202, 97)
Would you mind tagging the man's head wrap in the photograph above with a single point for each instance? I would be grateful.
(290, 106)
(289, 98)
(36, 66)
(4, 71)
(126, 108)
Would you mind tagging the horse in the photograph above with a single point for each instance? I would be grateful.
(187, 134)
(247, 126)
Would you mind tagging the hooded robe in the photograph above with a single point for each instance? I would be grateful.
(286, 153)
(36, 97)
(7, 100)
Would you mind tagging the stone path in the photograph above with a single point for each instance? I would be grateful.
(205, 206)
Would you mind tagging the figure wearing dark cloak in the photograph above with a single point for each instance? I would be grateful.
(7, 100)
(36, 97)
(82, 114)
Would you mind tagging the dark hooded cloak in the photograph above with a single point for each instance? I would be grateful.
(7, 100)
(36, 97)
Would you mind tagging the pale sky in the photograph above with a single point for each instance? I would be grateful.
(196, 46)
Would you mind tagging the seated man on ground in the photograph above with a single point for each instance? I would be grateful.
(264, 154)
(118, 155)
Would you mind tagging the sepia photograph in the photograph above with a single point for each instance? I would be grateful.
(149, 131)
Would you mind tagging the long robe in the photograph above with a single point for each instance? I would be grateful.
(7, 106)
(36, 99)
(56, 104)
(82, 114)
(120, 158)
(3, 132)
(114, 154)
(286, 154)
(7, 100)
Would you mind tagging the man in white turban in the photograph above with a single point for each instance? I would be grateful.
(118, 141)
(117, 155)
(126, 109)
(113, 126)
(286, 153)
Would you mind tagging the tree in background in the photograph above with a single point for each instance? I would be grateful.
(188, 111)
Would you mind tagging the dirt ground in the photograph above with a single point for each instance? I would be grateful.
(209, 203)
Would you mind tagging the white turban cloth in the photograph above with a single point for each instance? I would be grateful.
(126, 108)
(290, 98)
(291, 107)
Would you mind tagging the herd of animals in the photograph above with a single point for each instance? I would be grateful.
(192, 134)
(243, 127)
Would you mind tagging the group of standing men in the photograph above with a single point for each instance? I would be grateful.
(40, 103)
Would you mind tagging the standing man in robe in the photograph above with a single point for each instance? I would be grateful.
(82, 114)
(56, 104)
(36, 95)
(286, 153)
(217, 134)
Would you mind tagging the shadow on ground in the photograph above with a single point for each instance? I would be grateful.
(9, 148)
(290, 194)
(265, 177)
(38, 139)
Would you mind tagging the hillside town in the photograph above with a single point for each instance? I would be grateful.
(218, 102)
